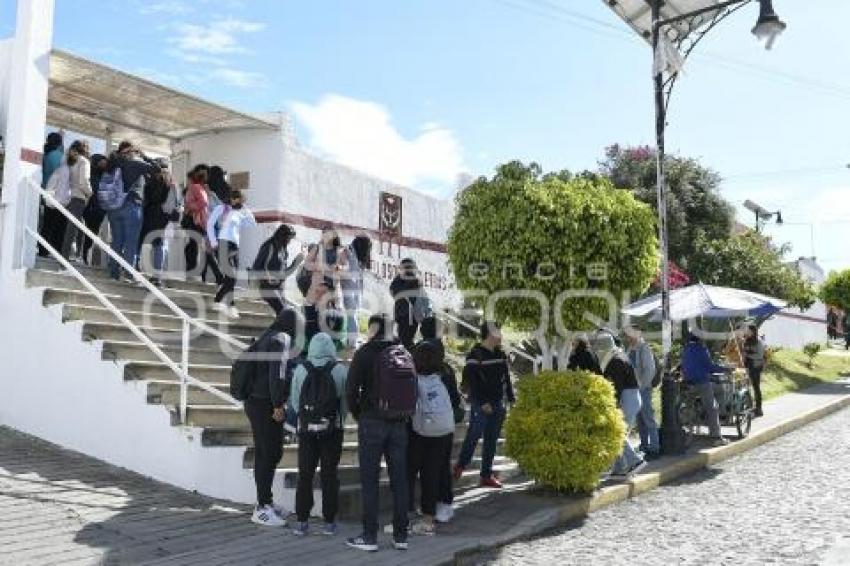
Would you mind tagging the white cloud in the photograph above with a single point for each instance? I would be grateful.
(361, 134)
(167, 7)
(237, 78)
(219, 37)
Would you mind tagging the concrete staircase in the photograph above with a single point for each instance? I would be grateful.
(218, 424)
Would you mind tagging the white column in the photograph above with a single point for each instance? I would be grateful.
(27, 114)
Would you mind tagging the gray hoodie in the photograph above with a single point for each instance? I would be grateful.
(643, 361)
(321, 351)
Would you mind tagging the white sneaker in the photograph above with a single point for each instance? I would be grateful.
(267, 517)
(445, 513)
(217, 307)
(232, 312)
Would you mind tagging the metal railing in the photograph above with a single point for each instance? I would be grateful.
(187, 322)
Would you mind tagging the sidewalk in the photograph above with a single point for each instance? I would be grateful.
(62, 507)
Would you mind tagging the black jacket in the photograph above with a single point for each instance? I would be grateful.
(360, 387)
(487, 376)
(583, 359)
(270, 264)
(621, 373)
(270, 381)
(154, 218)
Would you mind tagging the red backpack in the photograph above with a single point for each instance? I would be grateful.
(396, 385)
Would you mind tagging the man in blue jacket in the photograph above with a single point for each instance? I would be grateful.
(697, 368)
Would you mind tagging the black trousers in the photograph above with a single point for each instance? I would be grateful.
(268, 446)
(53, 226)
(93, 217)
(193, 252)
(228, 256)
(755, 379)
(273, 296)
(428, 458)
(312, 451)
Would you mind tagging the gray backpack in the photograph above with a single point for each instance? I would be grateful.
(434, 415)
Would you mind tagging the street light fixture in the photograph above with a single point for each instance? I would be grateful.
(769, 26)
(762, 214)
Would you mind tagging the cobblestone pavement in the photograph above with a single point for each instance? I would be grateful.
(787, 502)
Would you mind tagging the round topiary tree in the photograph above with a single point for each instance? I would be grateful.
(565, 429)
(577, 242)
(835, 290)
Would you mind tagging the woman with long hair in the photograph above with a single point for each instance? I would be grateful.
(357, 259)
(195, 216)
(218, 184)
(93, 215)
(81, 191)
(271, 267)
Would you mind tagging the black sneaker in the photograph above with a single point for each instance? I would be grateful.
(360, 543)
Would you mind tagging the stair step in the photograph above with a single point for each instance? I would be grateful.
(196, 306)
(349, 455)
(249, 300)
(137, 370)
(162, 336)
(139, 352)
(242, 326)
(351, 502)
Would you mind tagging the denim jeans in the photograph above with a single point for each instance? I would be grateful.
(389, 439)
(76, 207)
(126, 225)
(647, 427)
(630, 405)
(488, 426)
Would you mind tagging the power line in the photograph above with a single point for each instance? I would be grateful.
(547, 9)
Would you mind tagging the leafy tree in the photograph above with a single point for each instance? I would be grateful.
(836, 289)
(695, 209)
(750, 261)
(548, 234)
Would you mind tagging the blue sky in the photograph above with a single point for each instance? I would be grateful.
(420, 91)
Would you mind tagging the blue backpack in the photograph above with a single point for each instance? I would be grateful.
(110, 191)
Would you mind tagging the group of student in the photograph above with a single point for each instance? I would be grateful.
(139, 198)
(406, 402)
(633, 369)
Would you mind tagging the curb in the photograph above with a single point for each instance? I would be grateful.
(570, 511)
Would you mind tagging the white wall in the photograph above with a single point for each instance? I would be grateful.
(56, 387)
(793, 329)
(5, 69)
(286, 178)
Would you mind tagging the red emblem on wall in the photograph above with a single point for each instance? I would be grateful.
(390, 220)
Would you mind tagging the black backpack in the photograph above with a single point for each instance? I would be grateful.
(319, 405)
(245, 368)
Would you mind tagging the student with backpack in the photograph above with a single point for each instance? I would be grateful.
(120, 194)
(412, 304)
(432, 434)
(646, 369)
(318, 396)
(223, 230)
(271, 269)
(381, 394)
(158, 211)
(93, 215)
(431, 331)
(489, 381)
(259, 378)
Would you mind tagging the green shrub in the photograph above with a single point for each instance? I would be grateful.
(812, 349)
(565, 429)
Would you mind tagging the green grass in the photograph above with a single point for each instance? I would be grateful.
(789, 371)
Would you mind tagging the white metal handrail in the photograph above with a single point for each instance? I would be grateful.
(185, 378)
(138, 277)
(182, 371)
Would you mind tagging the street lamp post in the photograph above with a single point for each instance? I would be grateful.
(768, 27)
